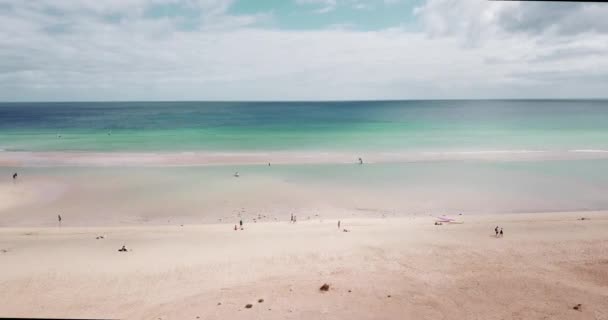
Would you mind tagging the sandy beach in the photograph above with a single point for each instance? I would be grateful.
(305, 159)
(161, 179)
(391, 268)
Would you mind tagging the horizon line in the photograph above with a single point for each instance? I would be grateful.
(307, 101)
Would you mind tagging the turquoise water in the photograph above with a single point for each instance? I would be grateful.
(442, 185)
(278, 126)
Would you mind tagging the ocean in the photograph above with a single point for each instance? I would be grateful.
(573, 176)
(392, 126)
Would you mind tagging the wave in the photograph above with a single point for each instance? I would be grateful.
(481, 152)
(201, 158)
(589, 151)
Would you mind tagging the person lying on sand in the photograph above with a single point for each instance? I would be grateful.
(123, 249)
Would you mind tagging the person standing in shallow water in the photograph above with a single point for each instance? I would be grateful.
(496, 231)
(501, 234)
(59, 219)
(338, 224)
(241, 224)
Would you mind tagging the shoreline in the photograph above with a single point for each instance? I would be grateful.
(213, 158)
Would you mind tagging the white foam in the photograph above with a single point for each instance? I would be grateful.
(475, 152)
(200, 158)
(589, 151)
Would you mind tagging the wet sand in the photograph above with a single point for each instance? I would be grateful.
(218, 158)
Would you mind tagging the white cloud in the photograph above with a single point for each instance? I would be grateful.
(226, 57)
(324, 5)
(481, 19)
(548, 49)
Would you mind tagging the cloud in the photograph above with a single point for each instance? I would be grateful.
(556, 19)
(67, 15)
(199, 50)
(478, 20)
(572, 53)
(325, 6)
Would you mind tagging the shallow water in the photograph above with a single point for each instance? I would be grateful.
(114, 195)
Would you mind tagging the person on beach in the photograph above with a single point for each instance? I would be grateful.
(360, 161)
(291, 219)
(496, 231)
(59, 219)
(501, 234)
(241, 223)
(15, 176)
(294, 218)
(338, 224)
(235, 228)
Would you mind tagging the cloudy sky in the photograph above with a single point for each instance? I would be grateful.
(300, 49)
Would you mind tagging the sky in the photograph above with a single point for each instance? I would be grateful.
(110, 50)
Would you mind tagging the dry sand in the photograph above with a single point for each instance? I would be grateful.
(397, 268)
